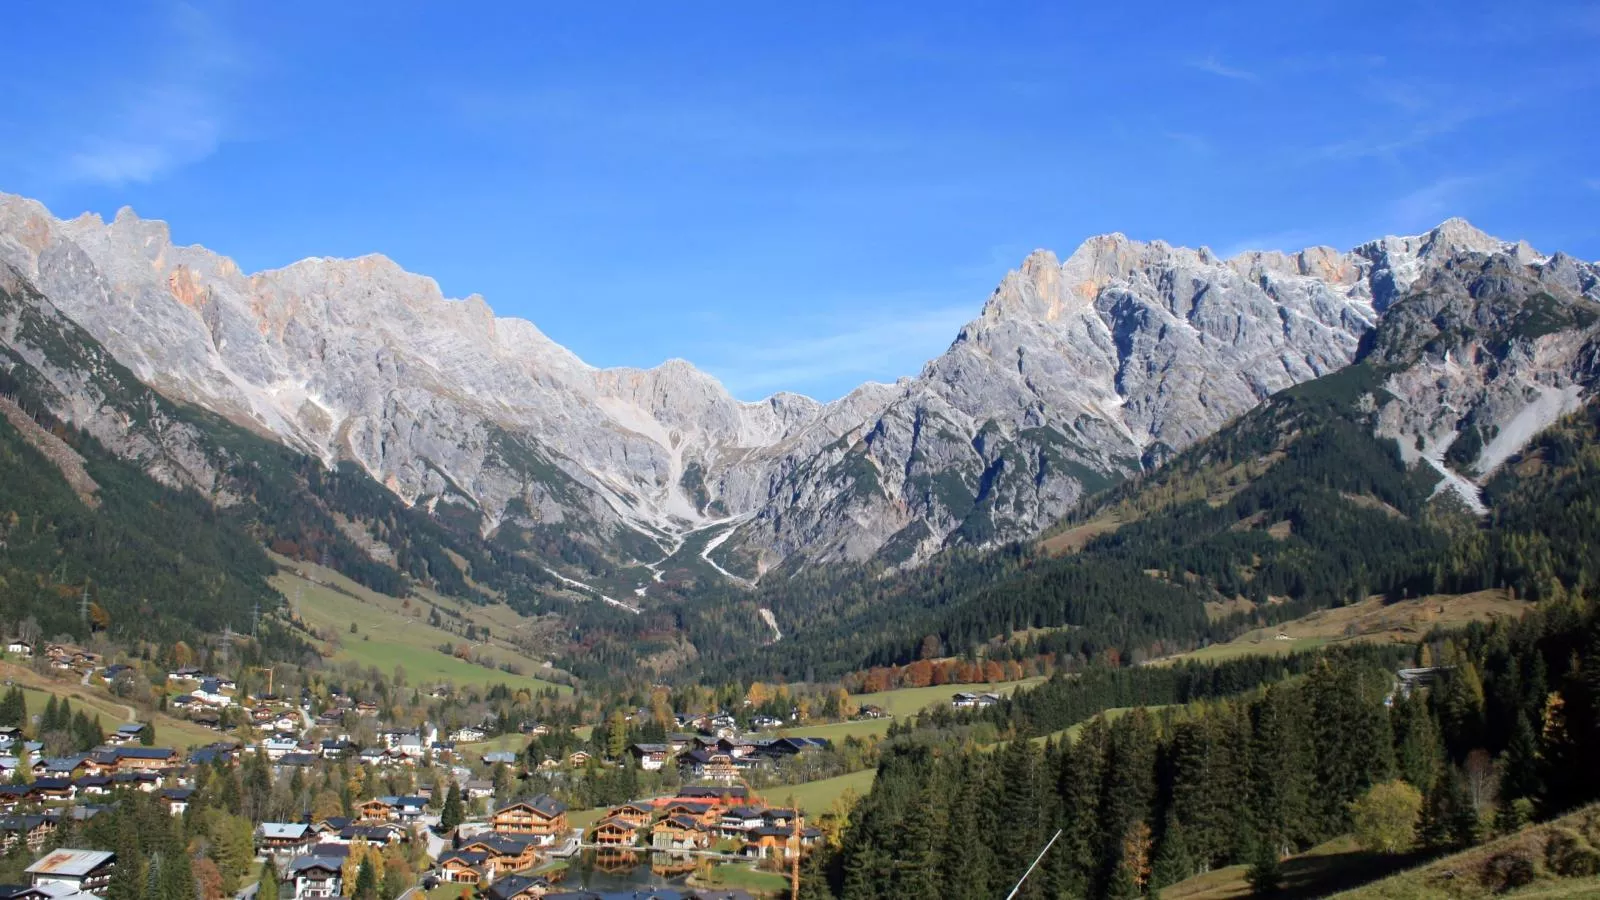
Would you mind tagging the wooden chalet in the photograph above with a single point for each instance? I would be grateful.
(614, 832)
(680, 833)
(706, 814)
(719, 794)
(543, 817)
(30, 830)
(636, 814)
(507, 853)
(465, 867)
(378, 809)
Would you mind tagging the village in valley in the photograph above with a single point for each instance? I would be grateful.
(344, 783)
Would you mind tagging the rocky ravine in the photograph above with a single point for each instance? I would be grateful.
(1075, 373)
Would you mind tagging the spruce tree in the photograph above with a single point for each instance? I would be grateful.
(1020, 812)
(1266, 871)
(1173, 862)
(450, 816)
(366, 887)
(1519, 764)
(814, 877)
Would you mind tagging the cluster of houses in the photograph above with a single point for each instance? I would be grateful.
(96, 773)
(64, 657)
(698, 818)
(720, 758)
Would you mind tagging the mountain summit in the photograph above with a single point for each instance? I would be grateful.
(1076, 373)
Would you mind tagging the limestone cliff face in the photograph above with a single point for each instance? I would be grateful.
(1074, 374)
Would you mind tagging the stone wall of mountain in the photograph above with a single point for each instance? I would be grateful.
(1076, 373)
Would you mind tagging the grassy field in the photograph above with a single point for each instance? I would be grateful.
(1372, 620)
(93, 700)
(1077, 537)
(749, 878)
(389, 634)
(838, 731)
(1110, 715)
(814, 797)
(906, 701)
(1329, 867)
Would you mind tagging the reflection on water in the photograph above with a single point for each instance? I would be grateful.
(603, 870)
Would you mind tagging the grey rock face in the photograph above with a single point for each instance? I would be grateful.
(1074, 374)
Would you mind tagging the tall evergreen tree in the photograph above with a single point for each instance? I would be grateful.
(450, 816)
(1172, 862)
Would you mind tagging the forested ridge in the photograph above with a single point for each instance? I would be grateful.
(1151, 798)
(1295, 507)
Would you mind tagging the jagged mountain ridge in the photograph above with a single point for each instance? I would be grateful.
(1075, 374)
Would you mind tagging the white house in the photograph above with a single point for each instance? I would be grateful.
(973, 701)
(315, 877)
(467, 735)
(18, 648)
(277, 745)
(84, 870)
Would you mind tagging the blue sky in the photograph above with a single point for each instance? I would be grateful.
(800, 198)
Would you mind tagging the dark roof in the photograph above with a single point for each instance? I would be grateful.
(714, 791)
(543, 804)
(470, 857)
(512, 885)
(303, 863)
(685, 822)
(695, 805)
(144, 752)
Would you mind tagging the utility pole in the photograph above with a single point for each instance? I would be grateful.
(794, 861)
(255, 624)
(268, 670)
(83, 604)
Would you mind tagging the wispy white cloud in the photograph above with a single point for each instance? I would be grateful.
(1432, 203)
(1592, 184)
(1390, 143)
(1214, 66)
(830, 352)
(171, 116)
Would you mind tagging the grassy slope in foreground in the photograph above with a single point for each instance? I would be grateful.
(1468, 874)
(388, 635)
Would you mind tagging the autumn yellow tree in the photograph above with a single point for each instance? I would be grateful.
(361, 850)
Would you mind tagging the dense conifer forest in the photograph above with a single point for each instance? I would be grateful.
(1153, 797)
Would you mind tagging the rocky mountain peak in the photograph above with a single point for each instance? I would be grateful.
(1078, 371)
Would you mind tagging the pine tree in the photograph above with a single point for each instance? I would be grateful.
(1173, 862)
(814, 877)
(366, 882)
(450, 816)
(1520, 763)
(1019, 809)
(966, 866)
(1266, 871)
(1418, 751)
